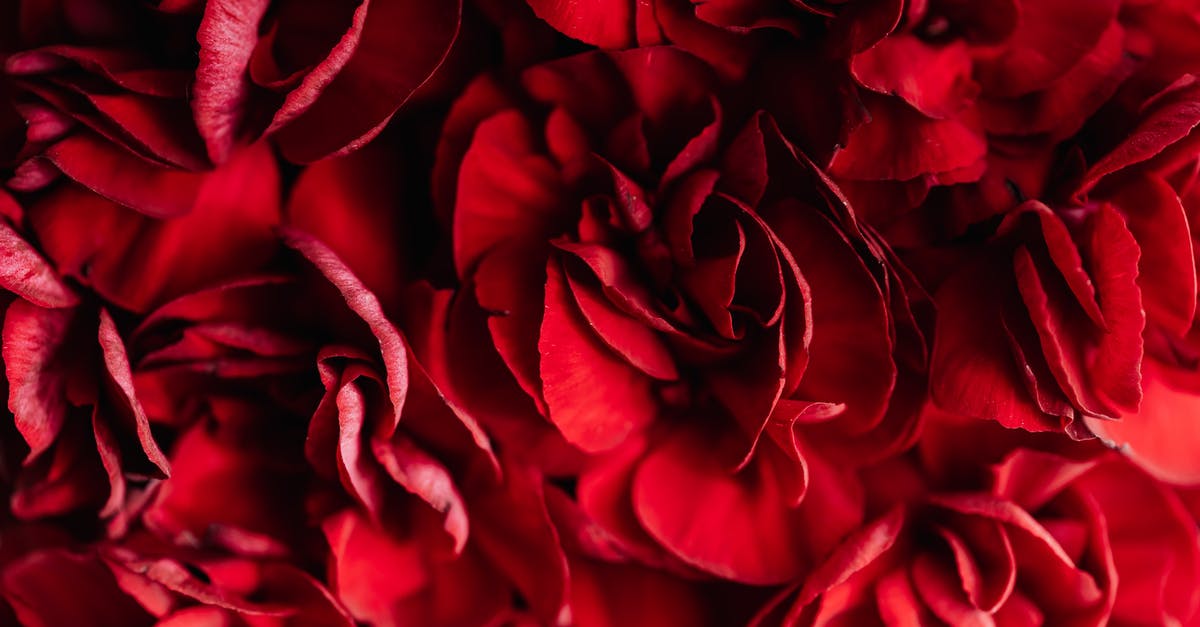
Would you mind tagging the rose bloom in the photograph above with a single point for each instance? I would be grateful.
(116, 97)
(673, 302)
(1087, 321)
(985, 528)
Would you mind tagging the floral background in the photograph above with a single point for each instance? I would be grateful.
(608, 313)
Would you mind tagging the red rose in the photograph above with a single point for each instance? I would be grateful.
(1148, 178)
(420, 484)
(966, 92)
(679, 295)
(1112, 258)
(981, 533)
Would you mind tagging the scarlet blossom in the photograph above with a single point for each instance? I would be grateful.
(981, 529)
(675, 294)
(1099, 325)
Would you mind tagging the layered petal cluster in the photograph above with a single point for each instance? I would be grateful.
(979, 530)
(599, 313)
(683, 297)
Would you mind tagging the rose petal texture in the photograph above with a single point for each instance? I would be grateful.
(677, 293)
(1008, 525)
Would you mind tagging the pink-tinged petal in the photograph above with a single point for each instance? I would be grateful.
(596, 398)
(227, 36)
(25, 273)
(366, 306)
(1166, 270)
(358, 469)
(972, 371)
(422, 475)
(603, 23)
(109, 451)
(45, 124)
(390, 580)
(382, 72)
(125, 178)
(900, 143)
(506, 190)
(1165, 119)
(934, 79)
(308, 65)
(619, 595)
(741, 529)
(116, 363)
(1050, 38)
(37, 379)
(1162, 435)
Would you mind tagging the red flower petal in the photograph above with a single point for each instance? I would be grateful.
(971, 370)
(595, 397)
(1051, 37)
(1163, 434)
(227, 36)
(365, 305)
(37, 383)
(350, 203)
(25, 273)
(382, 72)
(1166, 269)
(935, 80)
(900, 143)
(137, 262)
(603, 23)
(743, 529)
